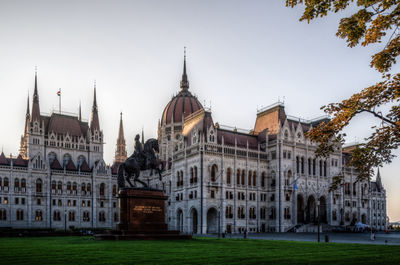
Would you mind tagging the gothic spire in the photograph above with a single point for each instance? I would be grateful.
(94, 122)
(35, 105)
(120, 153)
(80, 112)
(379, 180)
(27, 108)
(184, 81)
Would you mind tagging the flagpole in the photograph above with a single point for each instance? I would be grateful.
(59, 100)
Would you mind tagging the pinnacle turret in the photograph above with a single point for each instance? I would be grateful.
(120, 152)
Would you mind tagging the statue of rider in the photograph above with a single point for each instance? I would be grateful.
(139, 152)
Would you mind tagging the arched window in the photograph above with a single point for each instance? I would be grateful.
(228, 212)
(38, 185)
(252, 213)
(273, 179)
(302, 165)
(313, 167)
(114, 190)
(102, 189)
(254, 178)
(272, 214)
(249, 178)
(56, 215)
(86, 216)
(68, 187)
(309, 166)
(66, 159)
(59, 187)
(324, 168)
(53, 186)
(243, 177)
(89, 188)
(52, 156)
(6, 183)
(23, 185)
(38, 215)
(16, 184)
(102, 216)
(81, 159)
(3, 215)
(1, 182)
(195, 174)
(238, 177)
(297, 165)
(71, 216)
(191, 175)
(228, 176)
(263, 213)
(263, 179)
(214, 170)
(75, 188)
(20, 215)
(320, 168)
(83, 188)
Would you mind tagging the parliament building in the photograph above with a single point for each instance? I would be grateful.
(217, 178)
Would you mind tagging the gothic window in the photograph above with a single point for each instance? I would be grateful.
(195, 174)
(83, 188)
(334, 215)
(3, 215)
(238, 177)
(66, 159)
(38, 215)
(6, 184)
(86, 216)
(254, 178)
(23, 185)
(263, 179)
(252, 213)
(249, 178)
(102, 216)
(52, 156)
(74, 188)
(324, 168)
(89, 188)
(53, 186)
(191, 175)
(228, 212)
(286, 135)
(38, 185)
(286, 213)
(302, 165)
(273, 179)
(20, 215)
(263, 213)
(16, 184)
(297, 165)
(114, 190)
(71, 216)
(68, 187)
(320, 168)
(272, 214)
(228, 176)
(309, 166)
(102, 189)
(81, 159)
(214, 170)
(59, 187)
(243, 177)
(56, 215)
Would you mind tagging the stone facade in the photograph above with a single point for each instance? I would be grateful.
(60, 179)
(222, 179)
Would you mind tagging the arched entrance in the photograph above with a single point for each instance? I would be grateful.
(310, 213)
(193, 220)
(363, 218)
(179, 220)
(300, 209)
(212, 224)
(322, 208)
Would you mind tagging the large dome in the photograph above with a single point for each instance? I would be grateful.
(182, 104)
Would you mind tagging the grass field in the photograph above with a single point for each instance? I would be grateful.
(85, 250)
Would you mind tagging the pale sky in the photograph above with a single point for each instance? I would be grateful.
(241, 55)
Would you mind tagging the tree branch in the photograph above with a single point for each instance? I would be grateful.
(377, 115)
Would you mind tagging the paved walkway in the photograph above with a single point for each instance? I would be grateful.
(392, 238)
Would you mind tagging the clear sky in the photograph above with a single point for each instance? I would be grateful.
(241, 55)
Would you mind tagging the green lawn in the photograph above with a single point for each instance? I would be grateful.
(85, 250)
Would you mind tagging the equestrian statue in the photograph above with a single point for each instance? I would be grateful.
(143, 158)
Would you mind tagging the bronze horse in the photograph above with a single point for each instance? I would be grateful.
(137, 162)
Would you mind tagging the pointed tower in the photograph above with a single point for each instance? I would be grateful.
(94, 122)
(120, 153)
(35, 106)
(184, 81)
(379, 180)
(80, 112)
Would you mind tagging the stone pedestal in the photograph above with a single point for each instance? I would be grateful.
(142, 216)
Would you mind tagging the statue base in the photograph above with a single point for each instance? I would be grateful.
(142, 216)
